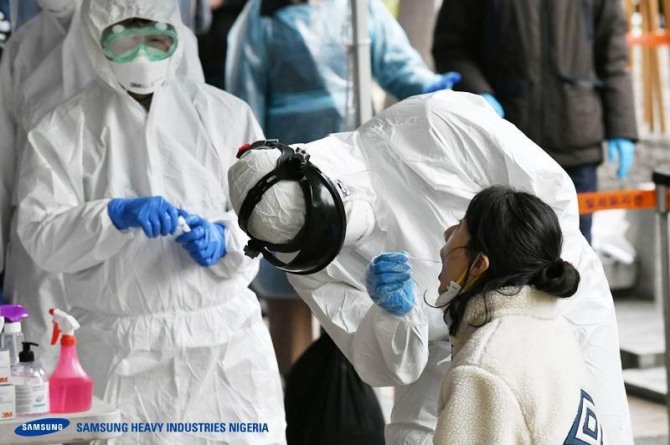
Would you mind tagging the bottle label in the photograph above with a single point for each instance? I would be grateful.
(4, 366)
(32, 398)
(7, 402)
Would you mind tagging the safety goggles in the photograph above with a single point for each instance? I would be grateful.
(123, 45)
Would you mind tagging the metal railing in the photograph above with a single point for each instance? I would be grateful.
(640, 200)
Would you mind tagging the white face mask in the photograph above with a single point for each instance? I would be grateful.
(141, 76)
(448, 295)
(59, 8)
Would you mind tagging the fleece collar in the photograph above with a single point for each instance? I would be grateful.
(527, 302)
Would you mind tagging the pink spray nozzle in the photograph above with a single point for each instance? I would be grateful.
(13, 312)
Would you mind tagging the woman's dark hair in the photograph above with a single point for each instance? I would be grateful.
(522, 239)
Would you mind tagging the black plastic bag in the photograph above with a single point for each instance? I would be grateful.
(327, 403)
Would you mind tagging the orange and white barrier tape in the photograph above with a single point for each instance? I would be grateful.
(650, 39)
(617, 199)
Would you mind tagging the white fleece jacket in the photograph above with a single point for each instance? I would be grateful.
(518, 379)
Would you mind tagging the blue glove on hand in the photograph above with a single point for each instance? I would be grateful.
(446, 82)
(622, 150)
(389, 282)
(491, 99)
(206, 242)
(154, 214)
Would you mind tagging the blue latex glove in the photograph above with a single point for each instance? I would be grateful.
(446, 82)
(389, 282)
(153, 214)
(491, 99)
(206, 242)
(623, 151)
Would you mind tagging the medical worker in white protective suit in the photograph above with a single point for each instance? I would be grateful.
(43, 65)
(169, 331)
(403, 177)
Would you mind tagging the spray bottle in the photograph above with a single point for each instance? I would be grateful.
(12, 337)
(70, 388)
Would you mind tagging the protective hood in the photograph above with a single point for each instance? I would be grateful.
(321, 236)
(97, 15)
(62, 9)
(280, 214)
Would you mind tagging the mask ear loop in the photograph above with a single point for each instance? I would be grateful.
(469, 285)
(463, 278)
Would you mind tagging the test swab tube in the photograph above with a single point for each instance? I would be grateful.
(183, 226)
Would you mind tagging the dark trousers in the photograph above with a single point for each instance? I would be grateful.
(585, 179)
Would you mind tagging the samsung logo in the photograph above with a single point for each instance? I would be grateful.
(41, 427)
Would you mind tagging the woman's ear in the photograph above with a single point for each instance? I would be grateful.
(480, 266)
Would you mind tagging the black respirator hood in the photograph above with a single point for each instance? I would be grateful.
(322, 236)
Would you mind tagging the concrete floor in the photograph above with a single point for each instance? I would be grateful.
(650, 421)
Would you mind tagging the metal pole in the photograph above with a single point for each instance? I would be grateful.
(361, 56)
(662, 181)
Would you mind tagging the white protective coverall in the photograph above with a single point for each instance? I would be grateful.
(43, 64)
(424, 159)
(164, 339)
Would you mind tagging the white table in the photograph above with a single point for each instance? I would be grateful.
(100, 412)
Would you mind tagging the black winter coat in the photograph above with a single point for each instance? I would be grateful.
(558, 67)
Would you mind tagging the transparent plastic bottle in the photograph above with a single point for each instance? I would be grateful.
(12, 337)
(31, 383)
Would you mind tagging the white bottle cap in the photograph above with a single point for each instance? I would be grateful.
(13, 328)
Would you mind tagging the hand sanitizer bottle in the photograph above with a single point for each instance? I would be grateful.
(31, 384)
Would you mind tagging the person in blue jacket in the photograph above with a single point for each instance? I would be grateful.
(291, 60)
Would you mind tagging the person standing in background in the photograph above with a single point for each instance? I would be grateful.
(417, 18)
(291, 61)
(555, 69)
(213, 45)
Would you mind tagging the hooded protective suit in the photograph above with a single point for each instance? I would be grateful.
(164, 339)
(424, 159)
(294, 67)
(43, 65)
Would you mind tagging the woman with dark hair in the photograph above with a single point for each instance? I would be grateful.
(517, 374)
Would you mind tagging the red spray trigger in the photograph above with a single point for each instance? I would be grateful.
(56, 330)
